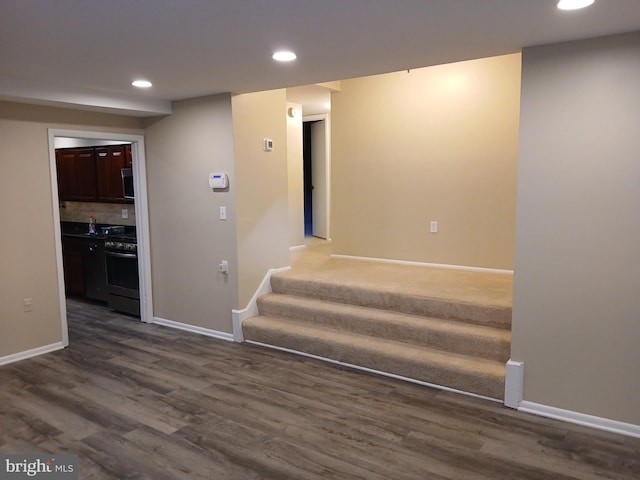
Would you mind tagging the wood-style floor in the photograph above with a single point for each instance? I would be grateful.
(140, 401)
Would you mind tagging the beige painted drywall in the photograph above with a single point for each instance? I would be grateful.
(295, 175)
(261, 187)
(576, 320)
(28, 267)
(188, 240)
(437, 143)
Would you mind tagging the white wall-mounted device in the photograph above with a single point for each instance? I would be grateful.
(218, 181)
(267, 144)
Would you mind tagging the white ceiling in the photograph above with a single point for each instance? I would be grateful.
(85, 53)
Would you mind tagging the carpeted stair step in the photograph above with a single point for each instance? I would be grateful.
(475, 375)
(457, 337)
(391, 297)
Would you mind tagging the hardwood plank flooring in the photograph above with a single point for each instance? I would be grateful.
(141, 401)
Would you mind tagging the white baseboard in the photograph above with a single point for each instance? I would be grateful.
(34, 352)
(583, 419)
(194, 329)
(424, 264)
(513, 384)
(251, 310)
(370, 370)
(297, 248)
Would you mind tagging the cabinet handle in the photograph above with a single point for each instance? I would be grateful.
(102, 154)
(117, 154)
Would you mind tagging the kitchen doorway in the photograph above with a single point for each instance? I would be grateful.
(141, 214)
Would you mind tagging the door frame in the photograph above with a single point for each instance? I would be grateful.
(141, 207)
(327, 136)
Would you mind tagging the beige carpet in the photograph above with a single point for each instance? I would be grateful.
(441, 326)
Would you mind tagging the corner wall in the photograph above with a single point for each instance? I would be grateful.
(188, 240)
(438, 143)
(295, 162)
(577, 271)
(261, 187)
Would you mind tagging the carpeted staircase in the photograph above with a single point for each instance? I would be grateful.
(451, 342)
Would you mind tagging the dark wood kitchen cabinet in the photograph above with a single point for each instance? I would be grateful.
(109, 163)
(92, 174)
(73, 264)
(76, 169)
(85, 271)
(128, 158)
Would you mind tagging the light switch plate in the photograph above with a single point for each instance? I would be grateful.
(223, 213)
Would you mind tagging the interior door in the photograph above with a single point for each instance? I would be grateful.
(319, 176)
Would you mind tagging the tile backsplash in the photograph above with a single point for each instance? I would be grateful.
(104, 213)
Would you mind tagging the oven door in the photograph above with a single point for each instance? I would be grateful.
(122, 274)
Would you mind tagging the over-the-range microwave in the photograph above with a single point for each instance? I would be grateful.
(127, 183)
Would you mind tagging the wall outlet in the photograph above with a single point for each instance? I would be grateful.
(223, 267)
(125, 213)
(223, 213)
(433, 226)
(27, 304)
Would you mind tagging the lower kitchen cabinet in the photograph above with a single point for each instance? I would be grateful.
(73, 264)
(84, 265)
(95, 270)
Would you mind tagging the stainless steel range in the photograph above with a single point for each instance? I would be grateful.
(123, 291)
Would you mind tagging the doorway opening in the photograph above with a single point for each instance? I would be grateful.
(316, 174)
(138, 170)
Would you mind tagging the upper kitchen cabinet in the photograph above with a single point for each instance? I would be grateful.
(92, 174)
(77, 174)
(109, 163)
(128, 158)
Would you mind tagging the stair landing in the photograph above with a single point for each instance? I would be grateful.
(441, 326)
(463, 287)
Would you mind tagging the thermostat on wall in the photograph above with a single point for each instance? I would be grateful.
(267, 144)
(218, 181)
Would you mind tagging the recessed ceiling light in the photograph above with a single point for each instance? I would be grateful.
(574, 4)
(141, 83)
(284, 56)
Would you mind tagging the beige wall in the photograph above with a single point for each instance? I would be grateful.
(576, 321)
(261, 187)
(438, 143)
(188, 240)
(28, 266)
(295, 172)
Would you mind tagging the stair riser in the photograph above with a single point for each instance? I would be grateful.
(497, 317)
(463, 343)
(451, 377)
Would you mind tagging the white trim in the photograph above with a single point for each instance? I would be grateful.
(34, 352)
(297, 248)
(142, 229)
(583, 419)
(513, 384)
(194, 329)
(251, 310)
(377, 372)
(141, 209)
(424, 264)
(53, 175)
